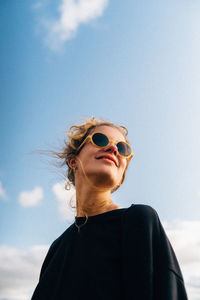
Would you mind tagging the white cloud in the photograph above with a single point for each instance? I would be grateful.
(65, 199)
(31, 198)
(2, 191)
(72, 13)
(20, 271)
(185, 239)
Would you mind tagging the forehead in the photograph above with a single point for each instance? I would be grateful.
(111, 132)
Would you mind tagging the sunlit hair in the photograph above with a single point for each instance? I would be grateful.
(76, 135)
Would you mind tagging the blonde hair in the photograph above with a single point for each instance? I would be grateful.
(76, 135)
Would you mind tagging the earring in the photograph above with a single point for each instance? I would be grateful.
(67, 185)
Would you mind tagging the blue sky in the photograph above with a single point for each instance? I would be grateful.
(136, 64)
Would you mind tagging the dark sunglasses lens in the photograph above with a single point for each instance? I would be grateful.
(123, 149)
(100, 139)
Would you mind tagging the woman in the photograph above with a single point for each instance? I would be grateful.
(108, 252)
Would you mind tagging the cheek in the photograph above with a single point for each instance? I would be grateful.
(122, 168)
(123, 164)
(88, 155)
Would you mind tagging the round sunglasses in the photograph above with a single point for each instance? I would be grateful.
(101, 140)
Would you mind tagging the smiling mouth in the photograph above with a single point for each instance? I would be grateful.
(107, 158)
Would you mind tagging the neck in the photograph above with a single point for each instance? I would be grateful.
(91, 202)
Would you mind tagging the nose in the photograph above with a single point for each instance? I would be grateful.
(112, 148)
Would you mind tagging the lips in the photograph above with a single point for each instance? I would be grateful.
(107, 157)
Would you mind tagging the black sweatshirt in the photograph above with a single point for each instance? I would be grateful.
(123, 254)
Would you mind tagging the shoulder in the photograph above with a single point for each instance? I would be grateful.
(142, 211)
(142, 208)
(57, 243)
(141, 217)
(56, 247)
(65, 236)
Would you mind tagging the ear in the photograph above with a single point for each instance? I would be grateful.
(72, 163)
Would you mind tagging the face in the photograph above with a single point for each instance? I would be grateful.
(103, 167)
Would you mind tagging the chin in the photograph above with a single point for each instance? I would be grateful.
(104, 180)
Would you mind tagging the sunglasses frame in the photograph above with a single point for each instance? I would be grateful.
(109, 142)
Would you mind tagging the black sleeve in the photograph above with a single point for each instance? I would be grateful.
(48, 257)
(168, 279)
(50, 273)
(150, 270)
